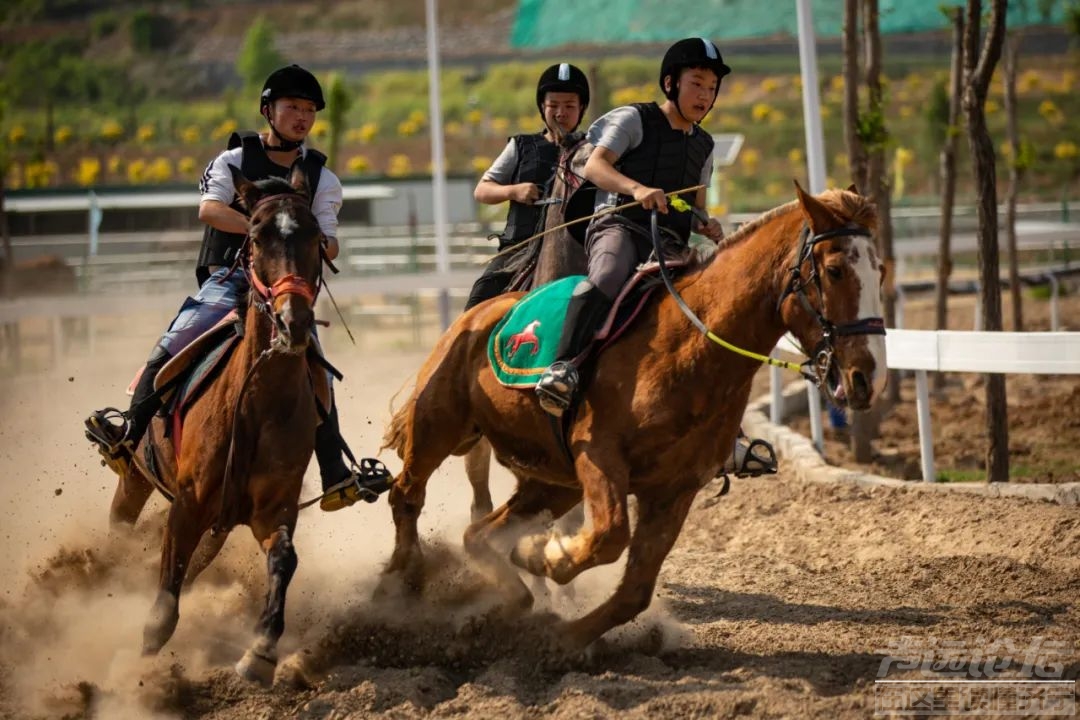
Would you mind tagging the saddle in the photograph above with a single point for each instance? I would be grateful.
(192, 370)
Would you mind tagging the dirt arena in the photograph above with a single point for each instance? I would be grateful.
(780, 600)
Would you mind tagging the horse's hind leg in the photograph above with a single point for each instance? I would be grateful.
(182, 532)
(660, 518)
(132, 492)
(478, 470)
(259, 661)
(529, 500)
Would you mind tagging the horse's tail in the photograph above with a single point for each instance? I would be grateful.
(396, 434)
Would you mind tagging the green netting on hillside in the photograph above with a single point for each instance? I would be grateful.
(550, 23)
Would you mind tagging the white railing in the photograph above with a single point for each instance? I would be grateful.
(923, 351)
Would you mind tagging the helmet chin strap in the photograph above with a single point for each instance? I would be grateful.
(283, 144)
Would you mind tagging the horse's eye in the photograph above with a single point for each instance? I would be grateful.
(836, 272)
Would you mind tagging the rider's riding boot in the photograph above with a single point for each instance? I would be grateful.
(117, 441)
(751, 458)
(342, 485)
(586, 312)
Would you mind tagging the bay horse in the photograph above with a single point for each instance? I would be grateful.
(249, 436)
(661, 412)
(553, 255)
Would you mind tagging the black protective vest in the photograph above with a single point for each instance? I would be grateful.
(220, 248)
(536, 164)
(666, 158)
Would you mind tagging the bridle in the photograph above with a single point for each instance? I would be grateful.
(823, 357)
(291, 284)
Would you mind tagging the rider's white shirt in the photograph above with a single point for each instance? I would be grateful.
(217, 184)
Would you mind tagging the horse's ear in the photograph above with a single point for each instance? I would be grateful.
(298, 179)
(249, 194)
(853, 189)
(817, 215)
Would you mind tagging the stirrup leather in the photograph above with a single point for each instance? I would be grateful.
(556, 387)
(366, 481)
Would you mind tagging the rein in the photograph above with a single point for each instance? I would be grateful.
(601, 213)
(822, 358)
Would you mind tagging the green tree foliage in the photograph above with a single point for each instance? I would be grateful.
(258, 55)
(338, 101)
(150, 32)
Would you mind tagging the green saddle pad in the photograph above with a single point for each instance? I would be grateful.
(524, 342)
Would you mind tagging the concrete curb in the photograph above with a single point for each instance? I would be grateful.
(811, 467)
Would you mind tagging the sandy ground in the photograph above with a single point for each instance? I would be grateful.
(779, 600)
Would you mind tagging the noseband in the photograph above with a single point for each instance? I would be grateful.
(823, 357)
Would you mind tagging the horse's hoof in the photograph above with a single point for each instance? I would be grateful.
(256, 668)
(528, 554)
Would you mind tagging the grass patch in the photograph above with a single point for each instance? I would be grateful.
(958, 476)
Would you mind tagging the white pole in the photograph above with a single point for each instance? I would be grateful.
(926, 433)
(815, 158)
(815, 136)
(438, 164)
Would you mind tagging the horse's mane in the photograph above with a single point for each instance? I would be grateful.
(274, 185)
(848, 205)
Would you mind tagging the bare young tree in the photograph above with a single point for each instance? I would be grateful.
(855, 150)
(948, 178)
(1017, 165)
(978, 68)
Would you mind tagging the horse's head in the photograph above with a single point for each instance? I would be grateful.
(284, 256)
(832, 298)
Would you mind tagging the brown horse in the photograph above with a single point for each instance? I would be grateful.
(557, 255)
(249, 437)
(661, 412)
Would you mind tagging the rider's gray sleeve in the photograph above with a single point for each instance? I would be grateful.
(706, 171)
(502, 170)
(619, 130)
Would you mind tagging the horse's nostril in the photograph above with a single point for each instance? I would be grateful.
(860, 386)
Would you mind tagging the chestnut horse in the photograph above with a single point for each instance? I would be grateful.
(661, 412)
(557, 255)
(249, 437)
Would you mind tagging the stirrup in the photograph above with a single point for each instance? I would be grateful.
(366, 481)
(556, 387)
(110, 438)
(751, 458)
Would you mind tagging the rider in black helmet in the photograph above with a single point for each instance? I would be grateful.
(523, 172)
(642, 152)
(290, 98)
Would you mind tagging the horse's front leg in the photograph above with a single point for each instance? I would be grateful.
(563, 557)
(660, 518)
(478, 470)
(183, 529)
(260, 660)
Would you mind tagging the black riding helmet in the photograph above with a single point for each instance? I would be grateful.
(690, 53)
(563, 77)
(292, 81)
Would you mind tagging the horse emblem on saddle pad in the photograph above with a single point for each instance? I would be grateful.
(525, 337)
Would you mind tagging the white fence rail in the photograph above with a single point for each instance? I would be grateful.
(923, 351)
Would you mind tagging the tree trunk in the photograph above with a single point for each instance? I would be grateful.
(866, 426)
(982, 159)
(1016, 170)
(948, 181)
(855, 150)
(7, 270)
